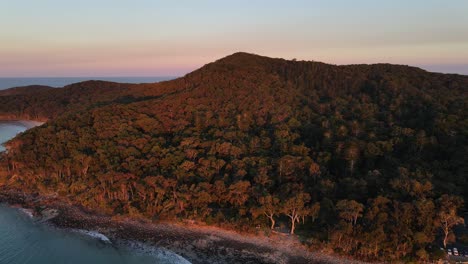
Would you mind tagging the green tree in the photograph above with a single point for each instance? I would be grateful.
(295, 208)
(349, 210)
(447, 215)
(270, 207)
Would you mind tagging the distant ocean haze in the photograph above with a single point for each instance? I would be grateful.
(6, 83)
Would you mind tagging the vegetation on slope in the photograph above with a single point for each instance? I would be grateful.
(369, 160)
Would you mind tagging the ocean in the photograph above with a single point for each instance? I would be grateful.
(26, 241)
(8, 130)
(6, 83)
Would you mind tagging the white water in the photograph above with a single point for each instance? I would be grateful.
(93, 234)
(24, 240)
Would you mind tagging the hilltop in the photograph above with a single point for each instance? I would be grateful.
(369, 156)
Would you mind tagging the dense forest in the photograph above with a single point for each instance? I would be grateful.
(367, 160)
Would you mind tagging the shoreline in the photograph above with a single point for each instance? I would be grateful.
(27, 124)
(30, 123)
(196, 243)
(193, 242)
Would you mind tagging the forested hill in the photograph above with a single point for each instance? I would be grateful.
(372, 157)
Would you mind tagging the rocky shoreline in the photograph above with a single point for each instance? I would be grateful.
(196, 243)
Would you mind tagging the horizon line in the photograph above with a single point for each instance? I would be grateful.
(58, 77)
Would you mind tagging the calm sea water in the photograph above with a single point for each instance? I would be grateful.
(8, 130)
(6, 83)
(25, 241)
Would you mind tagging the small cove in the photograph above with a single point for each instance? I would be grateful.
(8, 130)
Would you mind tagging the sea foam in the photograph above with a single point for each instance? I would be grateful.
(93, 234)
(168, 256)
(27, 212)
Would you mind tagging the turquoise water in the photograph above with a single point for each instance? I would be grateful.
(23, 240)
(8, 130)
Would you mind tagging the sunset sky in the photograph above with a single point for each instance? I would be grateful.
(170, 38)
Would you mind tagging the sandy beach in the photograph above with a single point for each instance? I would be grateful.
(29, 123)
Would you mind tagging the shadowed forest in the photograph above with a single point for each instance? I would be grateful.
(365, 160)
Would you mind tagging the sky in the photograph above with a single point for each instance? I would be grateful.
(56, 38)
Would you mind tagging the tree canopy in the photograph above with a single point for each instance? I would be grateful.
(360, 156)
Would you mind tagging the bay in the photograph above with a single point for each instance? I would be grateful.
(8, 130)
